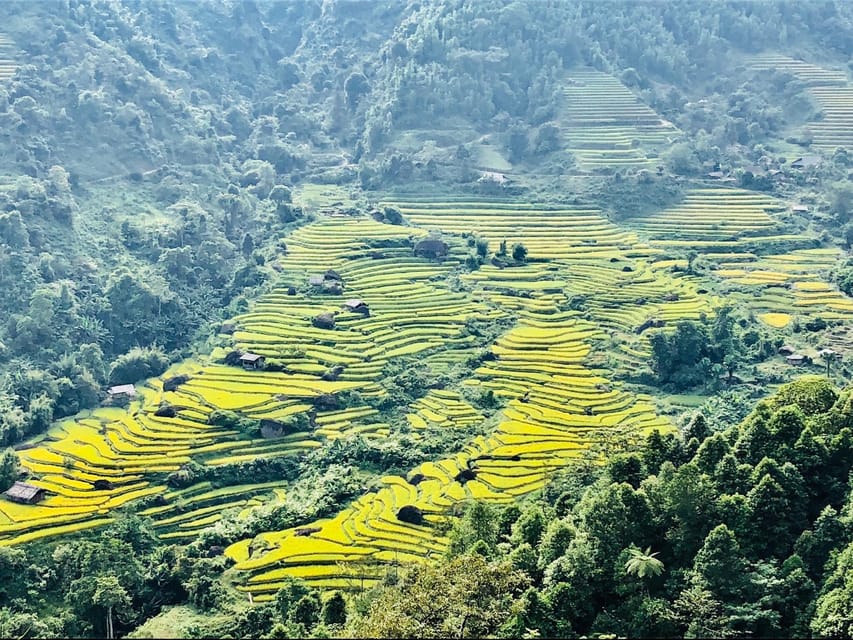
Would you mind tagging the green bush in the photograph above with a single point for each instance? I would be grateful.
(138, 364)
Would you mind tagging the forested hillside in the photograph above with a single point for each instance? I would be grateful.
(450, 317)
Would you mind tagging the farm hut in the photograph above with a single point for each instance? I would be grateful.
(755, 170)
(331, 274)
(806, 162)
(122, 391)
(787, 350)
(24, 493)
(800, 208)
(493, 176)
(796, 360)
(315, 281)
(716, 175)
(334, 287)
(252, 361)
(827, 353)
(431, 248)
(356, 305)
(227, 328)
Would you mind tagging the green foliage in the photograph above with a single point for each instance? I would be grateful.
(137, 365)
(643, 564)
(466, 597)
(812, 394)
(696, 354)
(8, 469)
(232, 420)
(334, 609)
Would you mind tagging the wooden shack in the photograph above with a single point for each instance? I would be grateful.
(122, 391)
(806, 162)
(24, 493)
(252, 361)
(356, 305)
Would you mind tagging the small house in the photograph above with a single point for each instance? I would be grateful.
(331, 274)
(122, 391)
(800, 208)
(252, 361)
(24, 493)
(356, 305)
(315, 281)
(493, 177)
(227, 328)
(796, 359)
(716, 175)
(806, 162)
(787, 350)
(827, 353)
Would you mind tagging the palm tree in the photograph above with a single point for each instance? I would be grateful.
(643, 564)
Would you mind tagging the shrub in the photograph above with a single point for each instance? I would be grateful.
(138, 364)
(233, 420)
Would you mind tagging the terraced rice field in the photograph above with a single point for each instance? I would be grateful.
(783, 286)
(711, 215)
(589, 282)
(557, 406)
(605, 124)
(810, 74)
(444, 409)
(836, 127)
(831, 89)
(548, 232)
(127, 452)
(7, 58)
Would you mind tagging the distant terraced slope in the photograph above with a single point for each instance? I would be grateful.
(7, 58)
(831, 89)
(605, 124)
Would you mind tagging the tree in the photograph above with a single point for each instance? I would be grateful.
(479, 522)
(720, 567)
(248, 245)
(482, 247)
(110, 595)
(643, 564)
(833, 616)
(8, 469)
(700, 614)
(529, 527)
(841, 200)
(334, 609)
(356, 85)
(519, 252)
(306, 610)
(812, 394)
(464, 597)
(138, 364)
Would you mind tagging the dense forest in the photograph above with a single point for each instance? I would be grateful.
(343, 318)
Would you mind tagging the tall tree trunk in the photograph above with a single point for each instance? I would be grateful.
(110, 623)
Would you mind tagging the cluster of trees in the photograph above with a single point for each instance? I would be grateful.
(698, 353)
(744, 531)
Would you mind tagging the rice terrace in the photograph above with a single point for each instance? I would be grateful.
(440, 319)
